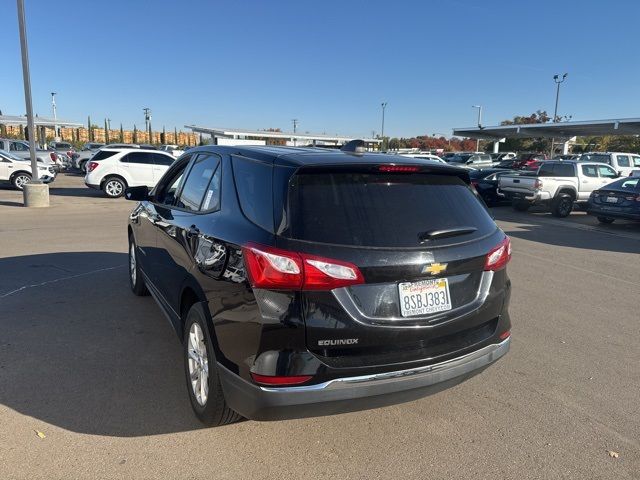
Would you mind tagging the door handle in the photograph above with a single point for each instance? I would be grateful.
(193, 231)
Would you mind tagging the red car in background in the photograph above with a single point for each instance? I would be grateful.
(525, 161)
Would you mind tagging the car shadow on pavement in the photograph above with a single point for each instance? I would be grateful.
(624, 238)
(75, 192)
(79, 351)
(4, 203)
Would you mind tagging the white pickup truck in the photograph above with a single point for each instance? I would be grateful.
(557, 184)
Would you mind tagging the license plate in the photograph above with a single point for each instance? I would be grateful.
(612, 199)
(424, 297)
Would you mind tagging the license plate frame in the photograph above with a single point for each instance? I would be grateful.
(424, 297)
(611, 199)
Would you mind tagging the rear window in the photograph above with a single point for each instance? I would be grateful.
(381, 210)
(102, 154)
(600, 158)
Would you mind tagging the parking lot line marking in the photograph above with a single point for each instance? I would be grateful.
(69, 277)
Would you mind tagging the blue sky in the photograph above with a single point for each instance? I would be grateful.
(259, 64)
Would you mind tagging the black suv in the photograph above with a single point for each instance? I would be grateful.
(308, 281)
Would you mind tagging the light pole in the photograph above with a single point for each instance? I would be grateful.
(384, 106)
(295, 129)
(55, 116)
(558, 80)
(36, 193)
(479, 107)
(147, 118)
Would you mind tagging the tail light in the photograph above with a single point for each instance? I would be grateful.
(505, 335)
(398, 168)
(537, 184)
(54, 157)
(280, 380)
(273, 268)
(70, 153)
(499, 256)
(92, 166)
(633, 198)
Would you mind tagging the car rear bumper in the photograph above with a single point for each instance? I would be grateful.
(597, 212)
(354, 393)
(91, 185)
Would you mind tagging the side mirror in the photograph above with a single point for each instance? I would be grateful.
(137, 194)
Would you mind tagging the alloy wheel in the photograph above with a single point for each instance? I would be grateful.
(198, 364)
(21, 180)
(113, 188)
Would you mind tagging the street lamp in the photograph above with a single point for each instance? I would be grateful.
(479, 107)
(55, 116)
(383, 105)
(558, 80)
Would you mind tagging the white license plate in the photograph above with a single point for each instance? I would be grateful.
(424, 297)
(612, 199)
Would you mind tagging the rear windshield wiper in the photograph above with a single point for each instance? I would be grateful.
(444, 233)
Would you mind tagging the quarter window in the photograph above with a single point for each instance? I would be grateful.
(636, 161)
(198, 182)
(160, 159)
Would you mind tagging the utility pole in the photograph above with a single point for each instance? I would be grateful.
(558, 81)
(295, 129)
(384, 106)
(147, 119)
(36, 194)
(55, 115)
(479, 107)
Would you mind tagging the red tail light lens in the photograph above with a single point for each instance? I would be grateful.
(398, 168)
(92, 166)
(505, 335)
(280, 381)
(273, 268)
(537, 184)
(54, 157)
(499, 256)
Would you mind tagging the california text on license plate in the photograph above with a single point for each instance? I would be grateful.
(424, 297)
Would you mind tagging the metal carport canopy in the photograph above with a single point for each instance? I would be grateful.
(620, 126)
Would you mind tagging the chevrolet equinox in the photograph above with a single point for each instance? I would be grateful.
(307, 281)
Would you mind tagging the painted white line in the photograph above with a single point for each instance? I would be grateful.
(24, 287)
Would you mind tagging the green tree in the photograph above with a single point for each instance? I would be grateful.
(106, 131)
(89, 129)
(149, 133)
(175, 135)
(21, 132)
(121, 134)
(162, 136)
(135, 133)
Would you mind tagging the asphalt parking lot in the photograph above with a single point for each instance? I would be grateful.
(98, 371)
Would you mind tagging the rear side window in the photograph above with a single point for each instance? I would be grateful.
(381, 210)
(636, 161)
(137, 157)
(102, 154)
(563, 170)
(160, 159)
(546, 170)
(589, 171)
(254, 181)
(623, 160)
(197, 182)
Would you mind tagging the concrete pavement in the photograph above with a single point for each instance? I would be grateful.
(99, 371)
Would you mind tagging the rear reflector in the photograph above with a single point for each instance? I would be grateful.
(505, 335)
(499, 256)
(399, 168)
(280, 381)
(273, 268)
(92, 166)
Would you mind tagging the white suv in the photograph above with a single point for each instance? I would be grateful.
(114, 169)
(17, 171)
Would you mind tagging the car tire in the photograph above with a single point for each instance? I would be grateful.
(203, 382)
(521, 206)
(83, 166)
(20, 179)
(113, 187)
(562, 206)
(606, 220)
(136, 280)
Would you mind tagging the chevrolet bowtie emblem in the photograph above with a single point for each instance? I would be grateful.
(435, 268)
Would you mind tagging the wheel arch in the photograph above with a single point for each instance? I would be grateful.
(568, 191)
(113, 175)
(15, 174)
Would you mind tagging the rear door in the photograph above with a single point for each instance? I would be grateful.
(138, 167)
(407, 233)
(606, 174)
(179, 230)
(161, 164)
